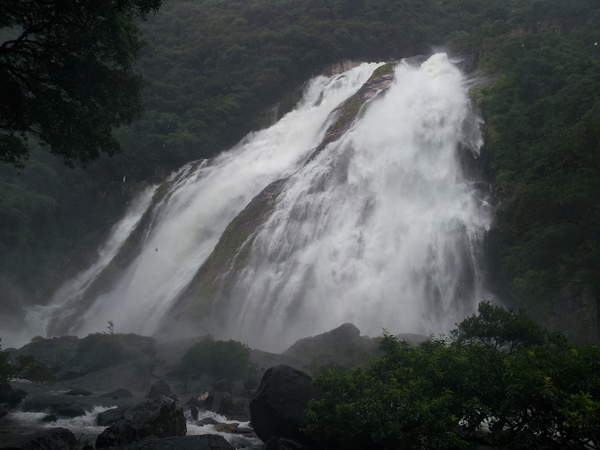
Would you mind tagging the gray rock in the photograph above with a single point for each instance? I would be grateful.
(147, 420)
(98, 351)
(118, 393)
(53, 404)
(280, 402)
(54, 352)
(78, 392)
(160, 388)
(8, 395)
(110, 416)
(51, 439)
(203, 442)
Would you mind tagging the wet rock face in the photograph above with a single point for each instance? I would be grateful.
(148, 420)
(280, 402)
(52, 439)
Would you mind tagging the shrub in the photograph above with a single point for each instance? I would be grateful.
(219, 359)
(500, 381)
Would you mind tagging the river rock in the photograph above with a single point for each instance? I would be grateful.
(160, 388)
(203, 442)
(8, 395)
(51, 439)
(147, 420)
(78, 392)
(118, 393)
(53, 404)
(110, 416)
(280, 402)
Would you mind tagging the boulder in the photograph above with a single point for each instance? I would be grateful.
(78, 392)
(51, 439)
(160, 388)
(53, 404)
(8, 395)
(203, 442)
(118, 393)
(110, 416)
(280, 401)
(280, 443)
(147, 420)
(342, 346)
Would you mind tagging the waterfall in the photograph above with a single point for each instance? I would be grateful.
(188, 221)
(381, 227)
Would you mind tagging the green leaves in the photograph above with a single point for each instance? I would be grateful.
(501, 381)
(218, 359)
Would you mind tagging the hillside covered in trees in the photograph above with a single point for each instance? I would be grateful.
(219, 69)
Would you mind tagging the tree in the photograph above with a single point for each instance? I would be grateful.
(67, 75)
(219, 359)
(500, 381)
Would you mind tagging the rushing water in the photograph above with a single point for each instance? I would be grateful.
(382, 229)
(188, 223)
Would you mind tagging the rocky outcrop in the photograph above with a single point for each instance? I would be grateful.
(148, 420)
(54, 352)
(52, 439)
(342, 346)
(98, 351)
(280, 402)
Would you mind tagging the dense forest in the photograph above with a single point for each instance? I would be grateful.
(217, 69)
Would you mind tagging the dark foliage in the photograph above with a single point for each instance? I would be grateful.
(460, 393)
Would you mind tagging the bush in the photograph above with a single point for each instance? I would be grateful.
(218, 359)
(517, 387)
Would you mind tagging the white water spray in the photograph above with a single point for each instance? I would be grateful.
(382, 229)
(189, 221)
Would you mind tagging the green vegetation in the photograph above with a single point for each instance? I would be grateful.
(27, 367)
(217, 359)
(499, 380)
(67, 75)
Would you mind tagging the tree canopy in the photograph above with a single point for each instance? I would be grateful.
(542, 392)
(67, 75)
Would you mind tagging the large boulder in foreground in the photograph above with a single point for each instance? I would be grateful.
(280, 402)
(204, 442)
(148, 420)
(51, 439)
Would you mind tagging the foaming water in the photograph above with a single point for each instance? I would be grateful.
(381, 229)
(82, 425)
(188, 222)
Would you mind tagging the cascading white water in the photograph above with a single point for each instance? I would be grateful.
(381, 229)
(189, 222)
